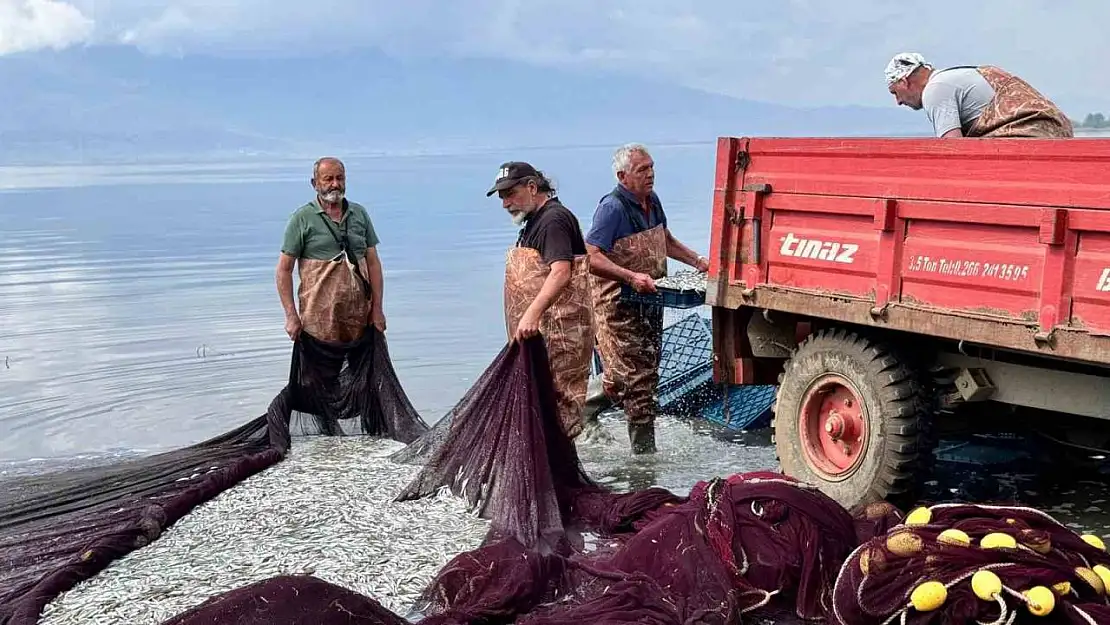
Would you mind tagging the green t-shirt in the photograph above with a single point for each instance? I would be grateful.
(311, 234)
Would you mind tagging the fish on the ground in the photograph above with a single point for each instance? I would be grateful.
(316, 513)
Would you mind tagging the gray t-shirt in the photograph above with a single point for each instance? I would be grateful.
(955, 97)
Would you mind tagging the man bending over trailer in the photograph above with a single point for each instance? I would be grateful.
(629, 243)
(547, 284)
(974, 101)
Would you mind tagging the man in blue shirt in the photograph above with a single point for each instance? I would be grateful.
(629, 243)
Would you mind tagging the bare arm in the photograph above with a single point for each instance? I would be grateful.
(952, 134)
(283, 276)
(374, 266)
(600, 265)
(374, 269)
(678, 251)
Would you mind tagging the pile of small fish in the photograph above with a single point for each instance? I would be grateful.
(688, 280)
(326, 510)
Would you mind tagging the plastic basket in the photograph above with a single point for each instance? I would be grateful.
(740, 407)
(687, 347)
(686, 387)
(664, 297)
(677, 395)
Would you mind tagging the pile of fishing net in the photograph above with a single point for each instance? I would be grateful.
(965, 563)
(563, 550)
(750, 548)
(59, 529)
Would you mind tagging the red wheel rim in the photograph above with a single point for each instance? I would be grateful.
(833, 427)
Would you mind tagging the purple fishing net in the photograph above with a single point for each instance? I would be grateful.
(934, 556)
(561, 550)
(504, 452)
(564, 550)
(289, 600)
(61, 528)
(350, 389)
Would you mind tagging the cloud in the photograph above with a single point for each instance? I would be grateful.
(27, 25)
(790, 51)
(805, 51)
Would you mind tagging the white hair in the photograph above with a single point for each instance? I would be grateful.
(326, 159)
(622, 158)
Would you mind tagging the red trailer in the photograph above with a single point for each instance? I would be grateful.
(892, 287)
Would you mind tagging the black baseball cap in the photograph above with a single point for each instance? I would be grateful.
(511, 174)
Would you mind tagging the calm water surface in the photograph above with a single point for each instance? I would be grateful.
(138, 311)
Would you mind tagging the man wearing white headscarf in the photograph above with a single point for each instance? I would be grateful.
(974, 101)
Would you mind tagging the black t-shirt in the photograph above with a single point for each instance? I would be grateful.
(553, 231)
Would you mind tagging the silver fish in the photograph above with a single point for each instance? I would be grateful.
(326, 510)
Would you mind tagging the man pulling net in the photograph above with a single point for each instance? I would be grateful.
(499, 447)
(547, 284)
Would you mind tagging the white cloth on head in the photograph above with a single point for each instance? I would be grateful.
(902, 64)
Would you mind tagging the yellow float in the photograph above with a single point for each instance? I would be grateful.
(1039, 600)
(998, 540)
(954, 537)
(918, 517)
(928, 596)
(1094, 541)
(986, 585)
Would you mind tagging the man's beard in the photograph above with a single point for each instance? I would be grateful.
(519, 214)
(333, 196)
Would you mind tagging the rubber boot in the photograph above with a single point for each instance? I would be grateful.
(597, 402)
(642, 438)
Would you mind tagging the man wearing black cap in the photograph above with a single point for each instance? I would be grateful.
(547, 289)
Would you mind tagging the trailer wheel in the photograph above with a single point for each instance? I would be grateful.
(851, 418)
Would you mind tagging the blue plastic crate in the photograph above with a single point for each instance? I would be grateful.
(686, 387)
(676, 394)
(687, 346)
(740, 407)
(664, 297)
(685, 359)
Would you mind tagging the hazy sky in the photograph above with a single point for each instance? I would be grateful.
(788, 51)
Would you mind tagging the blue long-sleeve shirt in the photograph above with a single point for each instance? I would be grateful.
(619, 214)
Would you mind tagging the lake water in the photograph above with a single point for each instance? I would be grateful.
(138, 311)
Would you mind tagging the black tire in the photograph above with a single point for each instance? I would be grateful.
(893, 405)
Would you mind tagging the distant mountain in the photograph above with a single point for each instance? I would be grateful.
(115, 103)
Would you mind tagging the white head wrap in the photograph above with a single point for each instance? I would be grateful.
(902, 64)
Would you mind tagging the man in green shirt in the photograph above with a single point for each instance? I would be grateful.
(333, 244)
